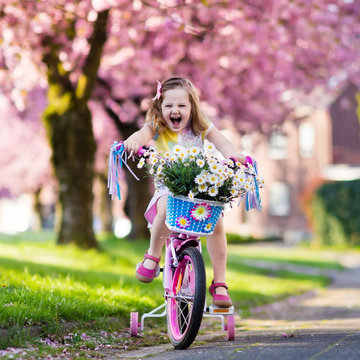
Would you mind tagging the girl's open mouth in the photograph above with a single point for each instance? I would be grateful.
(175, 120)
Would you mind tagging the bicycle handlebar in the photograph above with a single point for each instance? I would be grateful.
(118, 157)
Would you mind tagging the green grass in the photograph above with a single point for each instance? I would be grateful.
(48, 287)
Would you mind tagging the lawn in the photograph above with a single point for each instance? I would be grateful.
(48, 287)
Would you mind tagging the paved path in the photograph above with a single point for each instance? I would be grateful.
(322, 325)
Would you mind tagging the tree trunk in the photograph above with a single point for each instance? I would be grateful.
(106, 214)
(137, 201)
(73, 144)
(38, 210)
(68, 122)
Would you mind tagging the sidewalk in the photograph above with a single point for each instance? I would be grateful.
(317, 325)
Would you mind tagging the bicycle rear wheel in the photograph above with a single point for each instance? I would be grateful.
(185, 305)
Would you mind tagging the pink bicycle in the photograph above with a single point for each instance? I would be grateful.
(184, 282)
(184, 277)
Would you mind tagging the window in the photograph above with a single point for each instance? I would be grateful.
(279, 199)
(278, 145)
(306, 140)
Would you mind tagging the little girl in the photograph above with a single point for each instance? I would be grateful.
(174, 117)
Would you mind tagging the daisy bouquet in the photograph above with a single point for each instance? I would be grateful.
(198, 174)
(200, 185)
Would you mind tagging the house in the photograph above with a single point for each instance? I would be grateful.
(310, 147)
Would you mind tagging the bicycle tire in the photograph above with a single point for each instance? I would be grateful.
(185, 306)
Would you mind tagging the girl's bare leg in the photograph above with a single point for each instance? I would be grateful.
(159, 233)
(217, 248)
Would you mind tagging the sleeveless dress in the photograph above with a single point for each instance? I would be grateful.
(165, 142)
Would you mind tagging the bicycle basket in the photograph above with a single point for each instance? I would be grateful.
(193, 217)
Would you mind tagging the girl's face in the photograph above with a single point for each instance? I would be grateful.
(176, 109)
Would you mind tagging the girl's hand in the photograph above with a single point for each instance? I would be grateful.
(131, 147)
(241, 158)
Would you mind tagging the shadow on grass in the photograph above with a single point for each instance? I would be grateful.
(91, 277)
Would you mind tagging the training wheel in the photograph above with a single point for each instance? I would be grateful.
(231, 327)
(134, 324)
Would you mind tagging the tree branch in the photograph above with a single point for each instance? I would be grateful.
(97, 40)
(56, 73)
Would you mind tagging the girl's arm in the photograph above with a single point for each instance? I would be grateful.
(138, 138)
(224, 145)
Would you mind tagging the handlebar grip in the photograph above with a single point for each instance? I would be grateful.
(249, 160)
(119, 144)
(142, 150)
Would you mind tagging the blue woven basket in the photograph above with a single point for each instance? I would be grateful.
(193, 217)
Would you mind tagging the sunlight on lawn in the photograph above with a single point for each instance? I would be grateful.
(45, 283)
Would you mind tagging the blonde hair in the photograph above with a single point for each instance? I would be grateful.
(154, 115)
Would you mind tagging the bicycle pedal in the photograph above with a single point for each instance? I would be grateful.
(216, 310)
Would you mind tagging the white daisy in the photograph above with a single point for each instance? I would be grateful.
(191, 195)
(204, 174)
(178, 149)
(229, 162)
(241, 179)
(239, 173)
(202, 188)
(209, 147)
(214, 167)
(230, 172)
(194, 150)
(213, 179)
(213, 191)
(220, 170)
(141, 163)
(200, 163)
(219, 184)
(234, 192)
(200, 179)
(182, 155)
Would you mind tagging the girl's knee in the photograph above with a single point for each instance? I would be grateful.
(219, 228)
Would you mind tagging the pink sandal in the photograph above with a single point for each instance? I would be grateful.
(223, 301)
(147, 275)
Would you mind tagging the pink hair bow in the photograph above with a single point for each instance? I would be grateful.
(158, 91)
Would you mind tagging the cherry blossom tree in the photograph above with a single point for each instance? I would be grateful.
(252, 61)
(24, 170)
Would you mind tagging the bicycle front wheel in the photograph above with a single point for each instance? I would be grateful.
(185, 305)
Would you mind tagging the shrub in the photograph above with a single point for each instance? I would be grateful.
(336, 213)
